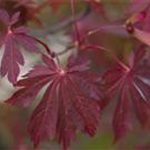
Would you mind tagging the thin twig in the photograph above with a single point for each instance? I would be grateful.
(59, 26)
(75, 26)
(70, 47)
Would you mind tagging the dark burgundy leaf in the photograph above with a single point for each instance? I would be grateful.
(132, 83)
(4, 17)
(12, 56)
(67, 105)
(43, 121)
(15, 18)
(121, 122)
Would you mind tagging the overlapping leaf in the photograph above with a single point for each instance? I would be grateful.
(70, 103)
(133, 86)
(28, 9)
(31, 7)
(12, 56)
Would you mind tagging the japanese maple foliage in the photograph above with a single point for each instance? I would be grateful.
(28, 9)
(68, 104)
(75, 94)
(131, 83)
(9, 39)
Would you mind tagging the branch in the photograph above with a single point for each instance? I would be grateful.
(60, 26)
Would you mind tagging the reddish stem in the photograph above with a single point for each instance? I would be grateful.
(66, 50)
(75, 23)
(97, 47)
(53, 54)
(91, 32)
(44, 45)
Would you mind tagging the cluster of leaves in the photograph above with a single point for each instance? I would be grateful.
(76, 96)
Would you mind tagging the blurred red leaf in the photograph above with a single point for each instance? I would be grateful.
(97, 6)
(136, 6)
(132, 84)
(56, 4)
(32, 8)
(28, 9)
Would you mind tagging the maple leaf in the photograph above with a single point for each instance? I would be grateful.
(70, 103)
(132, 84)
(10, 39)
(31, 9)
(27, 8)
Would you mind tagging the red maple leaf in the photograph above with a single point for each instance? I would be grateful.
(27, 8)
(70, 103)
(10, 39)
(131, 85)
(31, 10)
